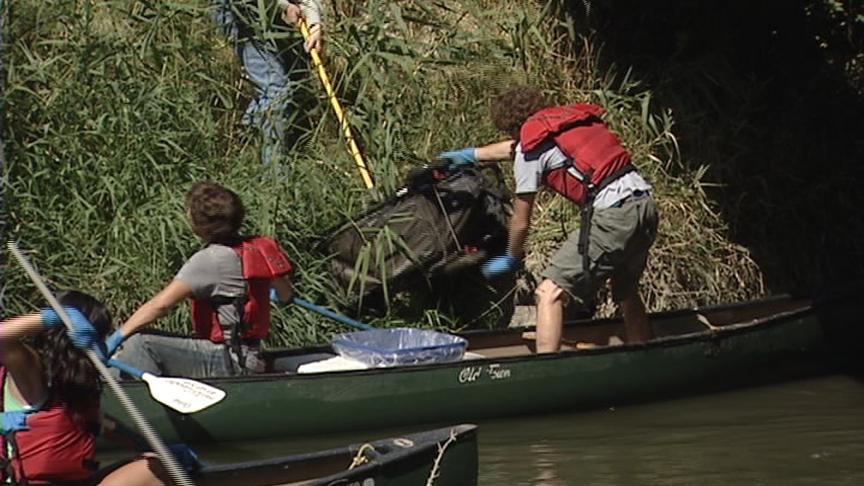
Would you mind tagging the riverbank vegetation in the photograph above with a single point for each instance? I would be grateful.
(115, 108)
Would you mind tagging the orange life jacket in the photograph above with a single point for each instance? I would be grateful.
(262, 260)
(59, 445)
(597, 156)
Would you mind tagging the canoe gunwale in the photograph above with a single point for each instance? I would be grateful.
(432, 438)
(707, 335)
(783, 338)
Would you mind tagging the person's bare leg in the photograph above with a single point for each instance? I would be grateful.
(146, 471)
(550, 316)
(636, 325)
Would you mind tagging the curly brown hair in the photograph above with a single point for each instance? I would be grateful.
(511, 108)
(215, 212)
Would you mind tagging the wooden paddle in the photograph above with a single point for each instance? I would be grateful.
(332, 315)
(169, 462)
(181, 394)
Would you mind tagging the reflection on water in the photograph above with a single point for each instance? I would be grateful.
(803, 432)
(806, 432)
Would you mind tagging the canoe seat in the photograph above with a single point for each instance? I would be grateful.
(290, 364)
(336, 363)
(530, 337)
(704, 320)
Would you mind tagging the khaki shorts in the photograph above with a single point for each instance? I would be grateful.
(618, 246)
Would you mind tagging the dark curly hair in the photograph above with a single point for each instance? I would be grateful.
(215, 212)
(511, 108)
(67, 371)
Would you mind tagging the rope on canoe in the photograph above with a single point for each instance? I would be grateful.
(436, 466)
(360, 458)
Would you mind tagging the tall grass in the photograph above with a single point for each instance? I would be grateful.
(114, 108)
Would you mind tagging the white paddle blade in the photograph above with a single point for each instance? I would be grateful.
(183, 394)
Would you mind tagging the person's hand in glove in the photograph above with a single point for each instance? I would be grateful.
(13, 422)
(82, 335)
(113, 342)
(187, 457)
(501, 265)
(460, 158)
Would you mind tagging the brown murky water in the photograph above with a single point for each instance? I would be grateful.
(795, 433)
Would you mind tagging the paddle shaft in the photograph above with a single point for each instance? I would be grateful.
(126, 368)
(332, 315)
(337, 108)
(177, 473)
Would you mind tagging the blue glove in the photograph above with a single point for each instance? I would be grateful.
(460, 158)
(186, 457)
(274, 296)
(13, 422)
(82, 335)
(501, 265)
(113, 342)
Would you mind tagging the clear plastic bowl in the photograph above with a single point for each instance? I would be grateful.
(399, 346)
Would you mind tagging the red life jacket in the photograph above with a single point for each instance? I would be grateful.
(59, 446)
(596, 153)
(262, 261)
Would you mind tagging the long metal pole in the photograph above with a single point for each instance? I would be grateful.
(337, 108)
(177, 473)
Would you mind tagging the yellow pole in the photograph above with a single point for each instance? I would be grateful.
(343, 120)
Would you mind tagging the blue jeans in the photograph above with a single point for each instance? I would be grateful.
(269, 68)
(184, 356)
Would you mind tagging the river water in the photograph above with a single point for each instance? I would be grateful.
(795, 433)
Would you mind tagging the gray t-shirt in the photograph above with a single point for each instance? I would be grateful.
(530, 168)
(215, 271)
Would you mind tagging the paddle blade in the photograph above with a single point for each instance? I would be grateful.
(183, 394)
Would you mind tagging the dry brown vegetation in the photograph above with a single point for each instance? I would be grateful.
(114, 108)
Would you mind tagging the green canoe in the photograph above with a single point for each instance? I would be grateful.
(695, 350)
(401, 461)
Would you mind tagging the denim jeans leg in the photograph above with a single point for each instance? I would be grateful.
(226, 19)
(174, 356)
(271, 108)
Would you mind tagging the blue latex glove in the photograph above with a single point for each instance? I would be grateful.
(460, 158)
(113, 342)
(82, 335)
(186, 457)
(13, 422)
(501, 265)
(274, 296)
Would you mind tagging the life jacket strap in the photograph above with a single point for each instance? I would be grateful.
(234, 342)
(7, 465)
(587, 212)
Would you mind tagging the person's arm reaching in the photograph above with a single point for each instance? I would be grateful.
(177, 291)
(495, 151)
(282, 290)
(520, 223)
(488, 153)
(312, 12)
(21, 360)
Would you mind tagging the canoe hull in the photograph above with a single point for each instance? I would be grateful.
(279, 405)
(402, 461)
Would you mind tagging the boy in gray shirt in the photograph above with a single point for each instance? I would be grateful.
(229, 282)
(570, 150)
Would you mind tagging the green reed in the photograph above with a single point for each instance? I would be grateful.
(114, 108)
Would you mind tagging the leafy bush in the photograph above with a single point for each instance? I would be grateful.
(114, 108)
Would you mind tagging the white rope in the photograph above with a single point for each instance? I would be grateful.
(169, 462)
(436, 466)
